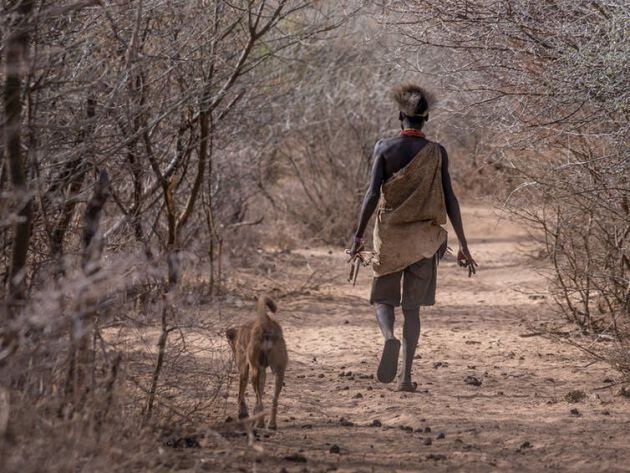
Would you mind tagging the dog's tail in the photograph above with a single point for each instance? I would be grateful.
(265, 302)
(230, 334)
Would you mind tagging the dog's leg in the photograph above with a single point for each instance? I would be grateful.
(276, 395)
(242, 385)
(258, 383)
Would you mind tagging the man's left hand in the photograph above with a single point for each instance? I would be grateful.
(465, 260)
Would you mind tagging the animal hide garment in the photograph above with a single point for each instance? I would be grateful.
(411, 213)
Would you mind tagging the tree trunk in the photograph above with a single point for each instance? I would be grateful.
(72, 177)
(16, 51)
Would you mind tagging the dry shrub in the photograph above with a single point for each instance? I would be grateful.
(88, 382)
(323, 155)
(547, 85)
(582, 210)
(85, 379)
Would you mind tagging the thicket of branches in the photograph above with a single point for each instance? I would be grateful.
(548, 83)
(325, 157)
(136, 138)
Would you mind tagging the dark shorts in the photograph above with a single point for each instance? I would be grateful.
(418, 287)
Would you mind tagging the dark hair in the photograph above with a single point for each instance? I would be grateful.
(414, 120)
(413, 101)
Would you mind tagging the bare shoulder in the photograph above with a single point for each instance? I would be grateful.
(385, 144)
(440, 147)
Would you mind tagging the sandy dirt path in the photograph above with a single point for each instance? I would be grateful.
(334, 416)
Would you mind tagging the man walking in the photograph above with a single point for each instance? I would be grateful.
(410, 177)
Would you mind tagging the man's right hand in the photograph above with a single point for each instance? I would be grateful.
(355, 247)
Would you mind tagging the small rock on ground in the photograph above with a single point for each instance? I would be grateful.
(574, 396)
(296, 457)
(472, 380)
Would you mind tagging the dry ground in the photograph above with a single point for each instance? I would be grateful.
(518, 419)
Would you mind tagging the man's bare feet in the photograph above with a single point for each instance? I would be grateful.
(407, 386)
(389, 361)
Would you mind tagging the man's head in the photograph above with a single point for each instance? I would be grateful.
(413, 104)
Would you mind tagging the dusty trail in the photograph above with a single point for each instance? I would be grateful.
(516, 420)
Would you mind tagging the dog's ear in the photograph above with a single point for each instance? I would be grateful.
(231, 334)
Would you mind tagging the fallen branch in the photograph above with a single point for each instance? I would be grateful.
(246, 223)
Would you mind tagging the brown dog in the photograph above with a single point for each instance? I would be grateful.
(257, 345)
